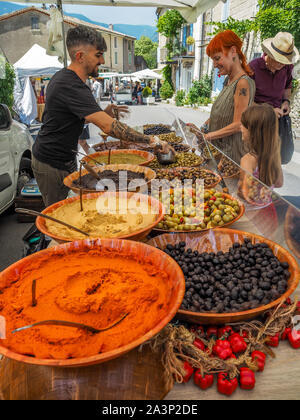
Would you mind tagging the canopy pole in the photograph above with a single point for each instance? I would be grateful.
(59, 6)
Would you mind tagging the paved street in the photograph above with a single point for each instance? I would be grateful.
(11, 232)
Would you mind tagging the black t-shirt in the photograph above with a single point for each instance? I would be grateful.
(68, 102)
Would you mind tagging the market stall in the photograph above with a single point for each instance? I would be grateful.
(33, 72)
(259, 218)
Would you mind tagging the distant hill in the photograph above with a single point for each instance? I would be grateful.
(133, 30)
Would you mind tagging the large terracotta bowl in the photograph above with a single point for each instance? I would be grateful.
(137, 235)
(149, 174)
(140, 252)
(221, 240)
(227, 196)
(147, 156)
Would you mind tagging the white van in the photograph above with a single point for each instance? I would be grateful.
(15, 157)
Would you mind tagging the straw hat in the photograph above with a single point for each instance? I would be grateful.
(281, 48)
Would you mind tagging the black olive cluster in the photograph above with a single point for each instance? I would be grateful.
(246, 277)
(157, 130)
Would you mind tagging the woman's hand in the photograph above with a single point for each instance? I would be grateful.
(278, 112)
(285, 107)
(195, 130)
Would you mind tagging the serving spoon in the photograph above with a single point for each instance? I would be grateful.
(71, 324)
(36, 213)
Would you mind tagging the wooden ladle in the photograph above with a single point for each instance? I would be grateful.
(36, 213)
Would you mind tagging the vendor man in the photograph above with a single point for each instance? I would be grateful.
(69, 104)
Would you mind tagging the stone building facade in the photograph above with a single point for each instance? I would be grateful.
(191, 65)
(20, 30)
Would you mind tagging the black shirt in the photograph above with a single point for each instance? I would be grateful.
(68, 102)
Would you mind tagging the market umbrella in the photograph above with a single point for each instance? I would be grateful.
(189, 9)
(147, 74)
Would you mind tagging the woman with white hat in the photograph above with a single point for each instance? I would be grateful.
(273, 72)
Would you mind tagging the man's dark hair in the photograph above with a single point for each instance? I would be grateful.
(83, 35)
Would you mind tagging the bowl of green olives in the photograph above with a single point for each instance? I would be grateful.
(183, 159)
(217, 210)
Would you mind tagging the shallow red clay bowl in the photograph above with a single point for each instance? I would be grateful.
(140, 251)
(182, 168)
(147, 156)
(149, 175)
(221, 239)
(137, 235)
(227, 196)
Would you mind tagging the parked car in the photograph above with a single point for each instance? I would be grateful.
(15, 157)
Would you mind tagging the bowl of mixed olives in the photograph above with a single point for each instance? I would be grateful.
(192, 210)
(183, 159)
(195, 173)
(230, 275)
(228, 168)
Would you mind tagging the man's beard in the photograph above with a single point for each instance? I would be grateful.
(94, 73)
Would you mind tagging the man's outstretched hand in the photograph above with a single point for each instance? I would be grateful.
(112, 110)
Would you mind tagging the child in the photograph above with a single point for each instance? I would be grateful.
(259, 126)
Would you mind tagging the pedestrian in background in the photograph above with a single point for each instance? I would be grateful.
(96, 90)
(272, 74)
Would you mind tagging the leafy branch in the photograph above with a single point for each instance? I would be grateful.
(7, 86)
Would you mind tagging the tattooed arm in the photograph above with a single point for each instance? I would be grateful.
(241, 103)
(122, 131)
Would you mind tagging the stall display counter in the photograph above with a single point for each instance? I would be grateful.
(276, 220)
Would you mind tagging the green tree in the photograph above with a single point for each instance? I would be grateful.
(278, 16)
(273, 16)
(146, 48)
(166, 91)
(7, 86)
(240, 27)
(169, 23)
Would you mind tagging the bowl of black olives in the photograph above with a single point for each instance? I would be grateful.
(230, 275)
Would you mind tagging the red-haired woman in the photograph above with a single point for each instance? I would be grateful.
(224, 124)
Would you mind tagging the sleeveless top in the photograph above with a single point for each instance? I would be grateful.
(222, 113)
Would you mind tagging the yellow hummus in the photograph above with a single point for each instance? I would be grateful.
(103, 217)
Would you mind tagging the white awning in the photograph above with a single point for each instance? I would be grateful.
(189, 9)
(35, 62)
(147, 74)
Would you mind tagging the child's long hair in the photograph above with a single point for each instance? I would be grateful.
(223, 41)
(264, 140)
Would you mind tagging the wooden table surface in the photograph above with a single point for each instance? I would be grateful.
(280, 379)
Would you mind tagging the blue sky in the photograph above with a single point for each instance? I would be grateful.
(107, 14)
